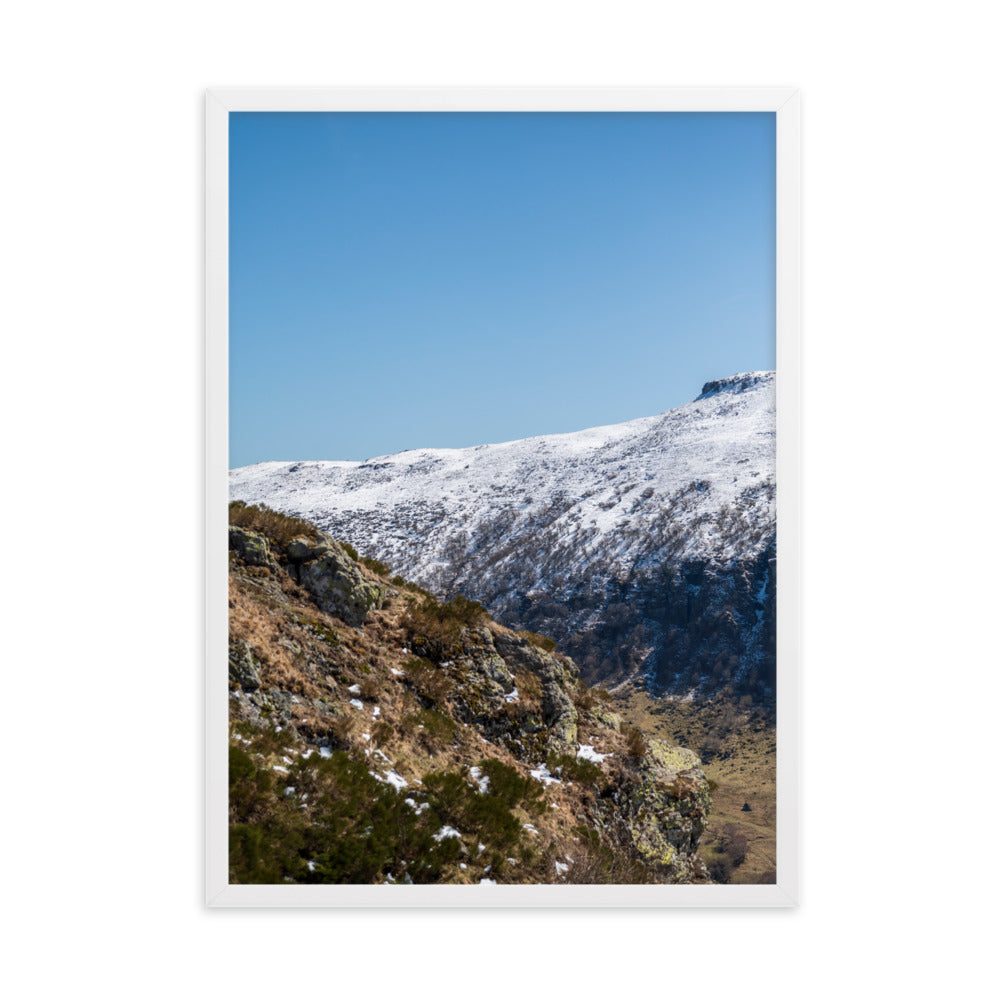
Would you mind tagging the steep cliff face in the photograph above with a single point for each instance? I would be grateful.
(646, 549)
(378, 735)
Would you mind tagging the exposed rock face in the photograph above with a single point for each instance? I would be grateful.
(339, 587)
(244, 670)
(251, 547)
(557, 677)
(665, 808)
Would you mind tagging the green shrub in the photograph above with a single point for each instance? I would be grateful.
(272, 524)
(486, 816)
(437, 728)
(438, 626)
(511, 787)
(348, 827)
(572, 768)
(398, 581)
(375, 565)
(541, 641)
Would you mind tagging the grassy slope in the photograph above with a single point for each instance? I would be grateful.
(743, 769)
(323, 664)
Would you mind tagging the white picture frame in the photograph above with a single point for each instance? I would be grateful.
(785, 103)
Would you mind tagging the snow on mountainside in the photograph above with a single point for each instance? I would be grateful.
(643, 547)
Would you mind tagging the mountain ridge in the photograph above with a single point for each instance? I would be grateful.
(647, 547)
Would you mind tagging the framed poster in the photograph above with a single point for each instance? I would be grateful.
(502, 497)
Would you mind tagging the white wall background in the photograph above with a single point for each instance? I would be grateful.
(101, 406)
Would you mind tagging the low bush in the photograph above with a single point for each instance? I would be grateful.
(375, 565)
(719, 867)
(541, 641)
(430, 681)
(370, 688)
(272, 524)
(511, 787)
(733, 843)
(438, 626)
(572, 768)
(338, 825)
(595, 863)
(398, 581)
(433, 726)
(635, 742)
(486, 815)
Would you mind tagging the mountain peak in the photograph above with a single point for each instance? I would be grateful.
(740, 382)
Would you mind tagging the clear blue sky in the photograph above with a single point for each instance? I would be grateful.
(441, 280)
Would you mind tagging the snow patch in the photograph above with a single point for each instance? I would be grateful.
(587, 752)
(543, 775)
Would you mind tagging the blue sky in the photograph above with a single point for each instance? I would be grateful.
(442, 280)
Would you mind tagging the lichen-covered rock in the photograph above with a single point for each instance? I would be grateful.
(483, 679)
(606, 717)
(558, 677)
(664, 805)
(337, 583)
(302, 548)
(243, 668)
(251, 547)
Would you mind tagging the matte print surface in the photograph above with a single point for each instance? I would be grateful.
(502, 494)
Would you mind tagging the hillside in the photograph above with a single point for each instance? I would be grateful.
(738, 749)
(646, 549)
(380, 736)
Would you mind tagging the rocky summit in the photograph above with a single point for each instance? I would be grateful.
(380, 736)
(646, 549)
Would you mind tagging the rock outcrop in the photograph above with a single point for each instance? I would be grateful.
(326, 570)
(665, 805)
(478, 752)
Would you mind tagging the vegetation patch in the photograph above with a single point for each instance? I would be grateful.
(572, 768)
(375, 565)
(438, 626)
(273, 525)
(541, 641)
(430, 681)
(635, 742)
(326, 819)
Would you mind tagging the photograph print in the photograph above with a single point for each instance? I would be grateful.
(502, 499)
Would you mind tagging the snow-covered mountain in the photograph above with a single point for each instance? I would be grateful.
(645, 547)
